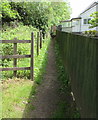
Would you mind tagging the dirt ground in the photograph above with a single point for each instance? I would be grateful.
(48, 96)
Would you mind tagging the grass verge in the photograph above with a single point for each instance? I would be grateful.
(15, 97)
(19, 92)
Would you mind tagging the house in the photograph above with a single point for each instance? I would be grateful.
(81, 23)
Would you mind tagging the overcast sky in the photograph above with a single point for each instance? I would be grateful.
(79, 6)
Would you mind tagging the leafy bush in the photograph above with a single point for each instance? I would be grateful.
(91, 33)
(86, 32)
(8, 13)
(94, 20)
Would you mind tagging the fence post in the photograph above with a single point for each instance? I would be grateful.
(15, 59)
(37, 43)
(32, 56)
(40, 39)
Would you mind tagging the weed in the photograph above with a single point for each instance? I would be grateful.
(66, 107)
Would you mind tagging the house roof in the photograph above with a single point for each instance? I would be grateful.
(92, 5)
(76, 18)
(65, 21)
(71, 19)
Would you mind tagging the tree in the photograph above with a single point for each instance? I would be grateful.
(94, 20)
(8, 14)
(38, 14)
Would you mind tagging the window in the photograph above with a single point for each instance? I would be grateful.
(86, 21)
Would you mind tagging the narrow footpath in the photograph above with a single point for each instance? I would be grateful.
(47, 97)
(48, 94)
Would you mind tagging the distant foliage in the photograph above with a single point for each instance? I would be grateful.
(39, 14)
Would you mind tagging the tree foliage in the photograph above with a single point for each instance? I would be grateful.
(94, 20)
(39, 14)
(8, 14)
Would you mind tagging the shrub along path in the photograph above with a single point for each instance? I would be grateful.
(48, 95)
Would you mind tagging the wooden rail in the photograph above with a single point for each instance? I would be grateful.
(15, 68)
(15, 56)
(15, 41)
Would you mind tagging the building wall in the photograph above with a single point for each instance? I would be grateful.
(86, 15)
(66, 29)
(76, 25)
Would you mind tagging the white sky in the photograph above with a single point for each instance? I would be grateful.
(79, 6)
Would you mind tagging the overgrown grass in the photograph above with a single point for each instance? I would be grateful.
(15, 97)
(17, 91)
(21, 33)
(67, 107)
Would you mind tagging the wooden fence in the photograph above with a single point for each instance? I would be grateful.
(79, 57)
(15, 56)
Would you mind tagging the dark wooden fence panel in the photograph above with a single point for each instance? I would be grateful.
(79, 57)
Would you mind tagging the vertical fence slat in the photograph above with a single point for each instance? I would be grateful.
(40, 39)
(32, 56)
(79, 56)
(37, 43)
(15, 59)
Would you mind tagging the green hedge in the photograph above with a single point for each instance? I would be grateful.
(79, 57)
